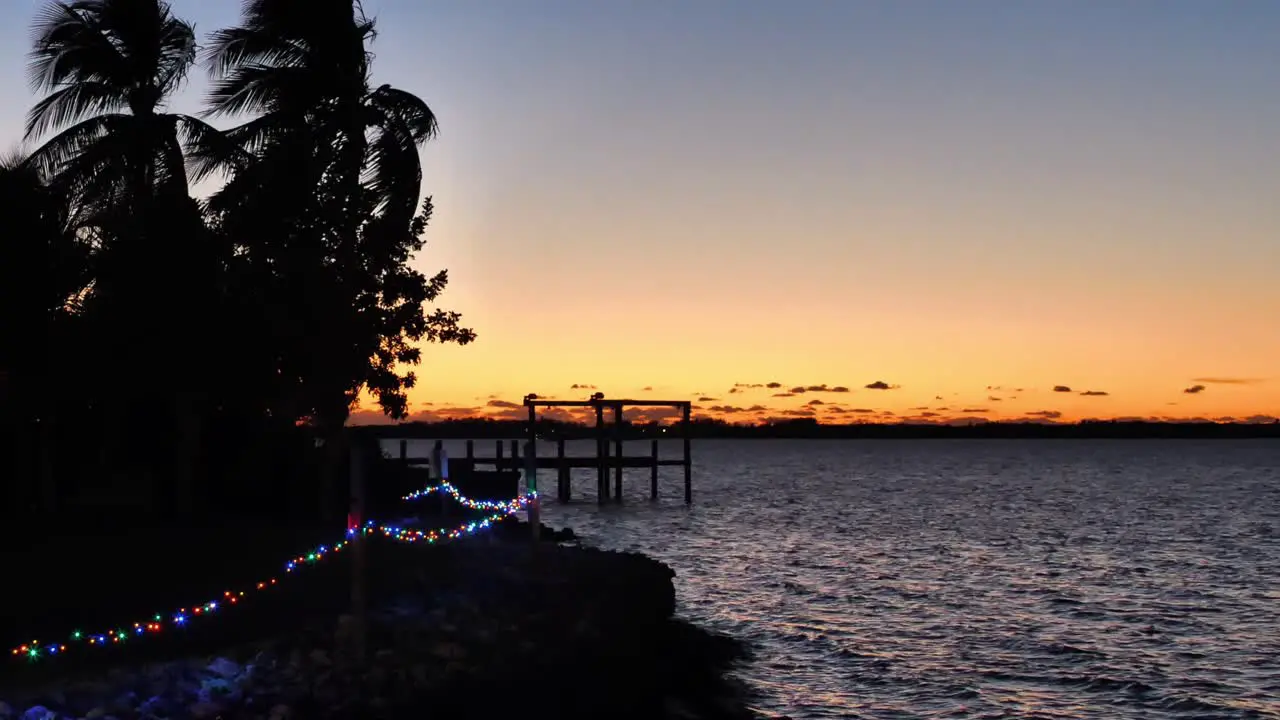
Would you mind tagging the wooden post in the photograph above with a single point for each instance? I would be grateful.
(562, 473)
(471, 451)
(404, 453)
(653, 472)
(602, 450)
(531, 473)
(498, 463)
(515, 449)
(688, 455)
(617, 452)
(359, 599)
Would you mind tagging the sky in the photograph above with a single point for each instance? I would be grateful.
(971, 202)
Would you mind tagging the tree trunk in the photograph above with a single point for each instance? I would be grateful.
(333, 470)
(188, 425)
(47, 436)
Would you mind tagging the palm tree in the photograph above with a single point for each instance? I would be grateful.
(349, 151)
(107, 68)
(305, 79)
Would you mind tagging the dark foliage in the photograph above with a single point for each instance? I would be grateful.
(179, 356)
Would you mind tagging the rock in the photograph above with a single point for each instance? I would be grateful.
(216, 689)
(96, 714)
(124, 703)
(449, 651)
(39, 712)
(154, 705)
(223, 668)
(204, 710)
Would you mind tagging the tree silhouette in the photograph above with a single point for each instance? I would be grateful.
(43, 274)
(270, 305)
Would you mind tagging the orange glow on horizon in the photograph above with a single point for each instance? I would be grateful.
(1207, 399)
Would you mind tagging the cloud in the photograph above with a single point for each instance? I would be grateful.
(503, 404)
(1062, 388)
(756, 409)
(976, 410)
(1095, 393)
(733, 390)
(993, 398)
(725, 409)
(815, 401)
(823, 388)
(880, 385)
(773, 385)
(748, 385)
(647, 388)
(862, 410)
(801, 412)
(582, 386)
(1226, 381)
(784, 394)
(1045, 414)
(708, 399)
(1194, 389)
(369, 417)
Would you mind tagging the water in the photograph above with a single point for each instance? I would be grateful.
(1021, 579)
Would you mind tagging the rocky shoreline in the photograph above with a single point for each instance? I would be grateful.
(480, 628)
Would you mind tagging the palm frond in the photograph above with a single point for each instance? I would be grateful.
(177, 53)
(258, 88)
(101, 171)
(394, 172)
(69, 46)
(70, 104)
(52, 157)
(237, 46)
(210, 150)
(409, 109)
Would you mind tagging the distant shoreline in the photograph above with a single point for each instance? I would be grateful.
(801, 430)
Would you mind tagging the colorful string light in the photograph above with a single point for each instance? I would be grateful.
(446, 487)
(36, 650)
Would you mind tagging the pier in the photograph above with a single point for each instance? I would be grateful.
(609, 459)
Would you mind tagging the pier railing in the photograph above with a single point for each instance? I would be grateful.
(507, 457)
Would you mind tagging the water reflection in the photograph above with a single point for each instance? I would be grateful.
(1130, 579)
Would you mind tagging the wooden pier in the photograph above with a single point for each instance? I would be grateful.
(609, 456)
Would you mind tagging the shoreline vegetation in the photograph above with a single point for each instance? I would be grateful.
(476, 428)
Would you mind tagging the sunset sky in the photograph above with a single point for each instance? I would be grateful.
(969, 201)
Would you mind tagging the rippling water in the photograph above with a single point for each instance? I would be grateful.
(1022, 579)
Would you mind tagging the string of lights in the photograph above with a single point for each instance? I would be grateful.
(159, 622)
(449, 489)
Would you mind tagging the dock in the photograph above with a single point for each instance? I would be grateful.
(610, 457)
